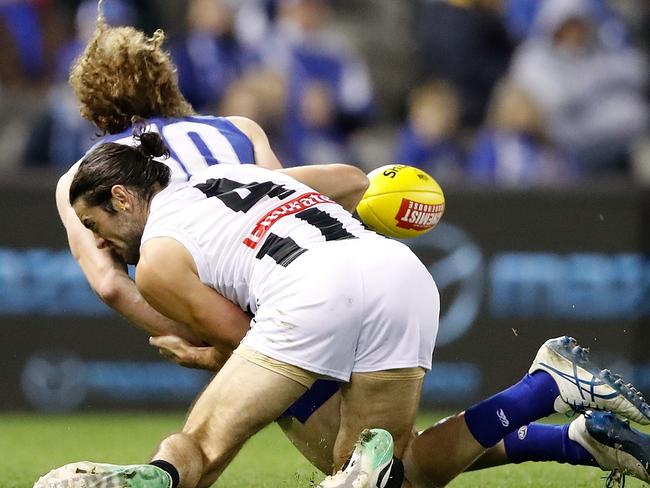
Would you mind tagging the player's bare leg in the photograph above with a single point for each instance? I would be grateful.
(494, 456)
(313, 437)
(209, 478)
(242, 399)
(449, 439)
(316, 437)
(369, 400)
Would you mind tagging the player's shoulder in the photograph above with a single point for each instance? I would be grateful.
(248, 126)
(176, 193)
(173, 214)
(162, 249)
(213, 120)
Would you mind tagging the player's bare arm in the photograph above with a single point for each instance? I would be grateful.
(343, 183)
(167, 277)
(107, 274)
(264, 155)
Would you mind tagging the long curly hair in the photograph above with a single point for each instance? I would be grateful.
(123, 74)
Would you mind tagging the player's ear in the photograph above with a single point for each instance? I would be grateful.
(120, 197)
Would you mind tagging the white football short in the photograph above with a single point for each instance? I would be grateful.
(355, 305)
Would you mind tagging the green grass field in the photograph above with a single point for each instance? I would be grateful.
(31, 445)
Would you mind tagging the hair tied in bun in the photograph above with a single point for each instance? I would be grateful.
(150, 144)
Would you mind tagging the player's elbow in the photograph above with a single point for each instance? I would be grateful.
(356, 184)
(63, 186)
(221, 332)
(109, 289)
(222, 324)
(61, 195)
(360, 181)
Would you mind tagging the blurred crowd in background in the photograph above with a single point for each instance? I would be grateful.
(503, 92)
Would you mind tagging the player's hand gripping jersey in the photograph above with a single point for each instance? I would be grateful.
(195, 143)
(239, 223)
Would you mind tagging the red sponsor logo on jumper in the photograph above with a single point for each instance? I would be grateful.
(291, 207)
(418, 216)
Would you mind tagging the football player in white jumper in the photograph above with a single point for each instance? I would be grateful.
(123, 77)
(329, 298)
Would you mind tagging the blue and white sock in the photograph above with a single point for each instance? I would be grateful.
(531, 399)
(542, 442)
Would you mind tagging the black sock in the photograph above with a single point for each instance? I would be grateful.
(396, 477)
(168, 468)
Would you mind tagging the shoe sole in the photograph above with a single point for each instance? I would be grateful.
(378, 443)
(568, 348)
(91, 475)
(377, 448)
(612, 432)
(373, 450)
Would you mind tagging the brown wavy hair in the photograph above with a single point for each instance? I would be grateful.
(123, 74)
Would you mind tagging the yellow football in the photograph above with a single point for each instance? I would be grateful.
(401, 201)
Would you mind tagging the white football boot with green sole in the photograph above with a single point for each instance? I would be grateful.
(370, 463)
(86, 474)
